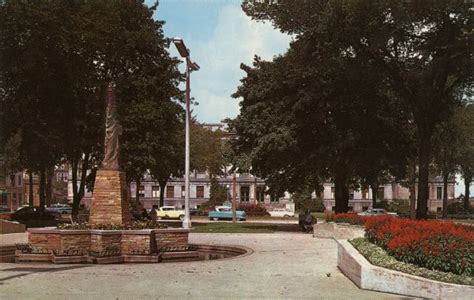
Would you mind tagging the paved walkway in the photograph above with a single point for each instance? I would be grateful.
(284, 265)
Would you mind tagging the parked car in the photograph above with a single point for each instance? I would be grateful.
(376, 212)
(281, 212)
(34, 216)
(60, 208)
(225, 213)
(169, 212)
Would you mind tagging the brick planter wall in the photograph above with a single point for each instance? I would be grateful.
(45, 238)
(102, 246)
(78, 241)
(171, 238)
(105, 242)
(138, 242)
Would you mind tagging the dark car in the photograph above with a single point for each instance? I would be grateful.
(34, 216)
(461, 215)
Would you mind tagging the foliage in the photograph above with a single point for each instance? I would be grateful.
(464, 120)
(435, 245)
(217, 194)
(329, 216)
(130, 226)
(303, 201)
(350, 218)
(306, 108)
(457, 207)
(379, 257)
(253, 210)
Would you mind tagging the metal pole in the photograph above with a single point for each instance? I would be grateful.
(187, 219)
(234, 199)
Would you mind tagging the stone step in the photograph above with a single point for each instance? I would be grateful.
(179, 256)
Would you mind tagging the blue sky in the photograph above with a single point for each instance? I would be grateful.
(220, 37)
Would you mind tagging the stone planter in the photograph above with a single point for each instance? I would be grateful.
(338, 231)
(105, 243)
(369, 277)
(47, 238)
(137, 242)
(165, 238)
(74, 242)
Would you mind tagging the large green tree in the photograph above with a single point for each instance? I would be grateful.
(421, 49)
(58, 57)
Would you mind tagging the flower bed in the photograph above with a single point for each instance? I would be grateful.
(442, 246)
(253, 210)
(379, 257)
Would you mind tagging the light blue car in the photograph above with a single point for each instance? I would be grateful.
(225, 213)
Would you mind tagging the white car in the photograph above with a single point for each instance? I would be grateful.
(281, 212)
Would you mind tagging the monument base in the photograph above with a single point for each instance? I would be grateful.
(110, 198)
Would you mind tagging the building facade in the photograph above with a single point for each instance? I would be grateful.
(250, 189)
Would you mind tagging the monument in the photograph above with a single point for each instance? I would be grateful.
(110, 196)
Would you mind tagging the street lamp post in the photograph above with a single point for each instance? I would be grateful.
(190, 66)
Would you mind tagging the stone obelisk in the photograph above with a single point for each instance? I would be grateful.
(109, 199)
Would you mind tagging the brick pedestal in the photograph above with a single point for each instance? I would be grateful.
(109, 200)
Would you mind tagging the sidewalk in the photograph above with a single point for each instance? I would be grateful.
(284, 265)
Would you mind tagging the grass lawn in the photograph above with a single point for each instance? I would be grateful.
(234, 228)
(242, 227)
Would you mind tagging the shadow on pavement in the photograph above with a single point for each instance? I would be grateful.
(33, 270)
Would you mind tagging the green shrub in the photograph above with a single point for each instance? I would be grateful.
(253, 210)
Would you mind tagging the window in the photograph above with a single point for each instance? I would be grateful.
(200, 191)
(170, 191)
(260, 193)
(155, 191)
(141, 191)
(244, 193)
(439, 209)
(19, 180)
(365, 193)
(380, 193)
(14, 195)
(183, 191)
(333, 193)
(439, 192)
(274, 198)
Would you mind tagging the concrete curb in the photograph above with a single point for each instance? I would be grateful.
(369, 277)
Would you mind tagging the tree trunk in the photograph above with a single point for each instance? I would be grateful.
(445, 194)
(423, 176)
(42, 188)
(137, 190)
(341, 194)
(412, 188)
(78, 191)
(49, 185)
(30, 189)
(467, 193)
(75, 202)
(162, 191)
(375, 188)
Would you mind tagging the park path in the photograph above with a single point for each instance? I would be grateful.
(283, 266)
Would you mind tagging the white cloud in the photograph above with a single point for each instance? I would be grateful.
(235, 40)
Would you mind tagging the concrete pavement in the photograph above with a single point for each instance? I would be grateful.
(283, 266)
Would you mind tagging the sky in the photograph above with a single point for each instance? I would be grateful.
(220, 37)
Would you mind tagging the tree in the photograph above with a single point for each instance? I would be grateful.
(464, 120)
(422, 49)
(446, 143)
